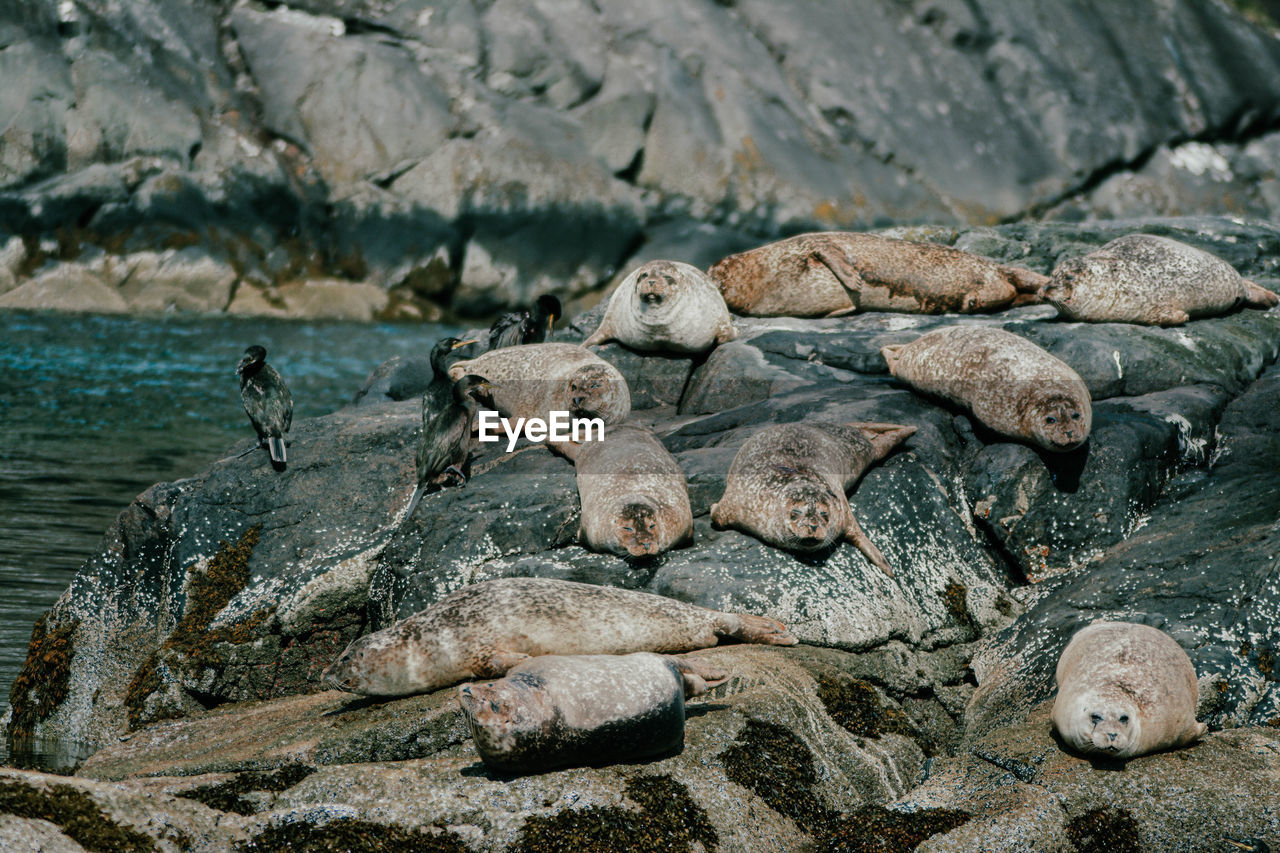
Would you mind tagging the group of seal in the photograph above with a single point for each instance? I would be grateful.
(586, 672)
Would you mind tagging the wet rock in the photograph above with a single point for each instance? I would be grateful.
(66, 287)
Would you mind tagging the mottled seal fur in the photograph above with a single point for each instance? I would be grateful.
(1151, 280)
(665, 306)
(831, 273)
(485, 629)
(532, 380)
(1125, 690)
(787, 484)
(559, 710)
(634, 496)
(1013, 386)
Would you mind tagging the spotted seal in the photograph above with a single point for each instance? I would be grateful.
(1155, 281)
(532, 380)
(1013, 386)
(634, 496)
(1125, 690)
(485, 629)
(665, 306)
(787, 484)
(831, 273)
(559, 710)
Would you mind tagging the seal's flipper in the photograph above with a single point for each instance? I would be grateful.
(885, 437)
(720, 515)
(1023, 280)
(1257, 296)
(1168, 316)
(568, 449)
(891, 354)
(856, 537)
(600, 335)
(699, 676)
(753, 629)
(725, 332)
(845, 273)
(496, 664)
(1027, 299)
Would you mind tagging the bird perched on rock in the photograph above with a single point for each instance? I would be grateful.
(445, 441)
(267, 402)
(525, 327)
(440, 390)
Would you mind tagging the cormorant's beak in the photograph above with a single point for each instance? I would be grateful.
(551, 323)
(241, 366)
(463, 343)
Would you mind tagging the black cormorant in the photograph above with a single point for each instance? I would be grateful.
(445, 441)
(267, 402)
(525, 327)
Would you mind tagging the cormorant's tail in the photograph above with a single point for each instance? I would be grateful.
(276, 446)
(413, 502)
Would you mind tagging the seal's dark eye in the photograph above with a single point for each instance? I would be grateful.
(795, 513)
(1095, 718)
(1124, 719)
(1051, 420)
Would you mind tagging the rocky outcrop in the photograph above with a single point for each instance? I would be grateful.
(189, 649)
(465, 157)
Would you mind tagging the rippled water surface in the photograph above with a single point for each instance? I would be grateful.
(93, 410)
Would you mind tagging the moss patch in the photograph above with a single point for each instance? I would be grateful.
(668, 820)
(955, 596)
(1104, 831)
(877, 830)
(1267, 664)
(228, 796)
(75, 813)
(208, 593)
(45, 679)
(854, 704)
(350, 836)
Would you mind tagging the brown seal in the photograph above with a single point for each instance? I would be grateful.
(635, 499)
(787, 484)
(560, 710)
(485, 629)
(827, 274)
(532, 380)
(1151, 280)
(665, 306)
(1125, 690)
(1010, 384)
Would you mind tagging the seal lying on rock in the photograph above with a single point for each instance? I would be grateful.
(635, 499)
(559, 710)
(485, 629)
(1010, 384)
(1125, 690)
(665, 306)
(533, 380)
(1150, 280)
(787, 484)
(827, 274)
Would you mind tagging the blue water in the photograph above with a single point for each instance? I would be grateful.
(93, 410)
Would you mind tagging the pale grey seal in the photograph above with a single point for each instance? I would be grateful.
(665, 306)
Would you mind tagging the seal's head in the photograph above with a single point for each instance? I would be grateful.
(638, 529)
(507, 716)
(1102, 724)
(656, 283)
(813, 515)
(593, 391)
(1057, 422)
(374, 665)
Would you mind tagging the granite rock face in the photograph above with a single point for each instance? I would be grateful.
(469, 156)
(217, 600)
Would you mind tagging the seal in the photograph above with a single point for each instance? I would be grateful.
(787, 484)
(665, 306)
(483, 630)
(1125, 690)
(1013, 386)
(634, 496)
(533, 380)
(560, 710)
(1150, 280)
(830, 273)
